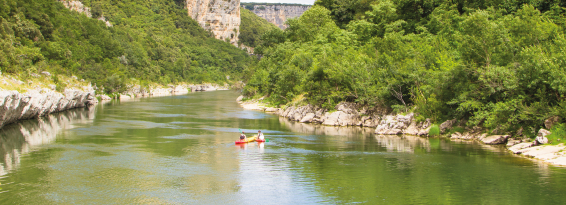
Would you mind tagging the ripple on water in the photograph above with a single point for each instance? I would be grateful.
(166, 115)
(186, 136)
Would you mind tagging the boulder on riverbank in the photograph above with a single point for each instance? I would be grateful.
(495, 139)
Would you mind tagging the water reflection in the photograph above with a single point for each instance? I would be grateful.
(406, 143)
(22, 137)
(318, 129)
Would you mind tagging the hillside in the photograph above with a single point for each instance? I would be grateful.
(499, 67)
(252, 28)
(147, 42)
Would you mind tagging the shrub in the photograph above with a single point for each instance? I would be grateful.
(434, 130)
(558, 134)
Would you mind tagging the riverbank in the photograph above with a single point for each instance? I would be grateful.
(352, 114)
(44, 93)
(137, 91)
(41, 95)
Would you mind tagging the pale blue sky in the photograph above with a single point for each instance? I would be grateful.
(282, 1)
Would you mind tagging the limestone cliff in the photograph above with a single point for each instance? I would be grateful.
(16, 106)
(221, 17)
(79, 7)
(278, 14)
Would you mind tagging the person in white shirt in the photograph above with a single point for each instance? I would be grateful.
(260, 135)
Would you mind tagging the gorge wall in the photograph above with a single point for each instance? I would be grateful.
(79, 7)
(278, 14)
(221, 17)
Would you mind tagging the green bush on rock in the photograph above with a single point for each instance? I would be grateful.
(558, 134)
(434, 131)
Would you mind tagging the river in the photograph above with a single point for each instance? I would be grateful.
(180, 150)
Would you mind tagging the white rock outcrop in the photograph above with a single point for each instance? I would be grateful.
(278, 14)
(221, 17)
(16, 106)
(81, 8)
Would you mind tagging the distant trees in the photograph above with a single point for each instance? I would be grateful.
(252, 27)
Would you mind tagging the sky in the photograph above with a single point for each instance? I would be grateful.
(281, 1)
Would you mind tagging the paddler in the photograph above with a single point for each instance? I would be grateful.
(260, 135)
(242, 137)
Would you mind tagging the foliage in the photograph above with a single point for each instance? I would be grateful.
(558, 134)
(496, 65)
(252, 27)
(150, 41)
(434, 130)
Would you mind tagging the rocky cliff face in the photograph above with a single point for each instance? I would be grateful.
(278, 14)
(221, 17)
(17, 106)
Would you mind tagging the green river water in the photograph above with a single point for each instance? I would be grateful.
(180, 150)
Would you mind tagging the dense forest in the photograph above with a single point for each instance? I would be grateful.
(252, 27)
(149, 42)
(500, 65)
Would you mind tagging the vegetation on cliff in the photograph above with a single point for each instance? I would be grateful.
(150, 41)
(499, 65)
(252, 28)
(250, 5)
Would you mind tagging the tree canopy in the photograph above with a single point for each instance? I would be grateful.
(496, 64)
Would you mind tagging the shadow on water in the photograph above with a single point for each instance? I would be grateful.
(24, 136)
